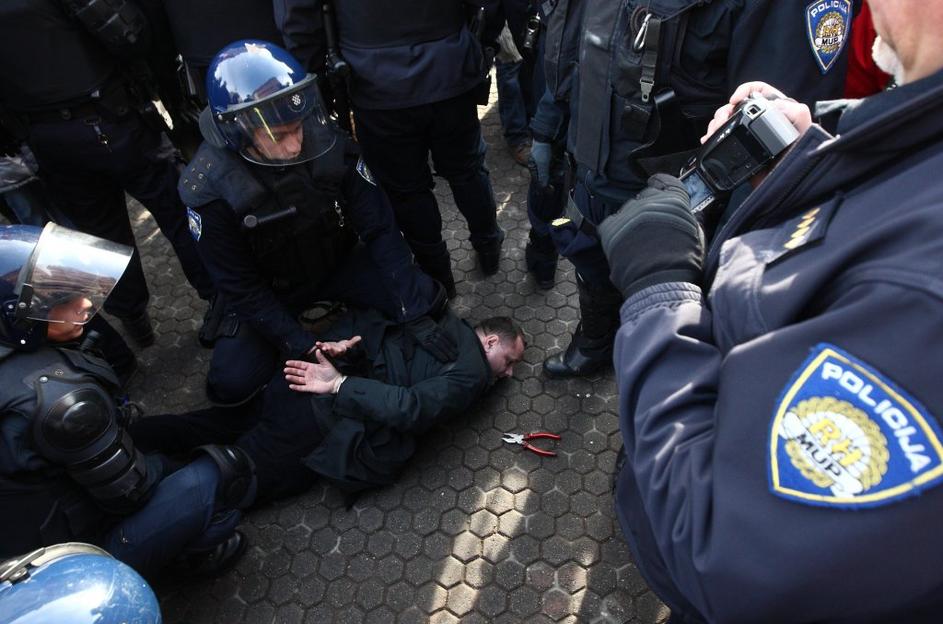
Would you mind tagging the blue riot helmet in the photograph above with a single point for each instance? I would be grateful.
(74, 583)
(265, 106)
(42, 269)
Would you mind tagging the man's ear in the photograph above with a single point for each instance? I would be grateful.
(491, 340)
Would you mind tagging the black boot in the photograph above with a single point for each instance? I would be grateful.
(140, 329)
(435, 262)
(489, 254)
(541, 257)
(591, 346)
(214, 562)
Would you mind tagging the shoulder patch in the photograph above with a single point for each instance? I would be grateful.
(844, 435)
(364, 171)
(828, 24)
(195, 221)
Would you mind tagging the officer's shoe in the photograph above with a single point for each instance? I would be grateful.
(214, 562)
(576, 362)
(541, 258)
(489, 254)
(140, 329)
(583, 357)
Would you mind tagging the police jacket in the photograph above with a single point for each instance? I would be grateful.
(782, 429)
(395, 395)
(65, 63)
(401, 53)
(68, 471)
(306, 218)
(648, 83)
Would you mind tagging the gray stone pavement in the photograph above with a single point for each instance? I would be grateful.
(475, 530)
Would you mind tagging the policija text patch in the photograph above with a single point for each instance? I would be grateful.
(844, 435)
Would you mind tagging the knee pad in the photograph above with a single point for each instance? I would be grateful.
(237, 481)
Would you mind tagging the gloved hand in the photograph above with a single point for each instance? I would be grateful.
(539, 162)
(427, 334)
(654, 238)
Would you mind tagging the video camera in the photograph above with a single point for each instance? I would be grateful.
(754, 135)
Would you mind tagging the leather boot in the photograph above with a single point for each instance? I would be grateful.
(489, 254)
(591, 346)
(541, 257)
(435, 261)
(140, 329)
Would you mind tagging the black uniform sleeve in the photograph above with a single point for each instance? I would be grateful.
(228, 257)
(301, 23)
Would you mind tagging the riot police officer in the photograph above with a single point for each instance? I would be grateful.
(277, 198)
(69, 470)
(416, 74)
(79, 115)
(650, 76)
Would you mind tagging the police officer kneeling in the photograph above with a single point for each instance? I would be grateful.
(277, 199)
(780, 396)
(69, 470)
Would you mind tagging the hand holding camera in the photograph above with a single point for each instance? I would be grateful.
(742, 142)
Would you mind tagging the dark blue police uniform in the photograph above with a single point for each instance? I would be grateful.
(269, 273)
(415, 70)
(650, 76)
(783, 426)
(91, 144)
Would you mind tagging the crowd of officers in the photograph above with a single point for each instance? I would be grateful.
(756, 380)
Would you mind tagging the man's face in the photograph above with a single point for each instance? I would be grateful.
(279, 142)
(502, 355)
(67, 320)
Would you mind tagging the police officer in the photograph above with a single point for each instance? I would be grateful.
(416, 75)
(548, 162)
(277, 198)
(779, 393)
(69, 470)
(91, 143)
(650, 76)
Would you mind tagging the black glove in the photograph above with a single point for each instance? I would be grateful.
(427, 334)
(654, 238)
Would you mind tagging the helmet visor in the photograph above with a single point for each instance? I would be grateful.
(68, 267)
(287, 128)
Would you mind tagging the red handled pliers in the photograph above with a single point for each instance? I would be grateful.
(520, 438)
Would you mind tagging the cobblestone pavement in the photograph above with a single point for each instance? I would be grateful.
(475, 530)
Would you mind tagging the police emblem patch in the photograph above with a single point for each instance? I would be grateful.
(195, 221)
(365, 172)
(843, 435)
(296, 102)
(828, 23)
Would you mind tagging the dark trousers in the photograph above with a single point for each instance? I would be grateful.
(89, 164)
(396, 145)
(182, 516)
(243, 363)
(579, 246)
(277, 430)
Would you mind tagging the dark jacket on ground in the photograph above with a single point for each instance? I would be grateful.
(372, 425)
(746, 410)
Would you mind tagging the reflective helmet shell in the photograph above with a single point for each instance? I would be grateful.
(256, 82)
(79, 584)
